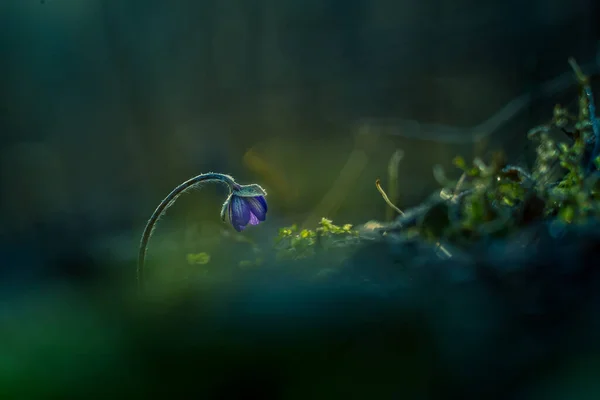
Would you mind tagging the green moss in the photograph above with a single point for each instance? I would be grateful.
(292, 243)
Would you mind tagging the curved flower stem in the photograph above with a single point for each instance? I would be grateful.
(164, 205)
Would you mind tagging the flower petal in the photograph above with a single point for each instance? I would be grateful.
(253, 219)
(258, 206)
(239, 213)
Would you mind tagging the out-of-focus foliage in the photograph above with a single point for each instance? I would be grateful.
(494, 198)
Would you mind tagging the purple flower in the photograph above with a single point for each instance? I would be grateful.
(245, 205)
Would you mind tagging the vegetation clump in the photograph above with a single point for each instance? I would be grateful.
(562, 186)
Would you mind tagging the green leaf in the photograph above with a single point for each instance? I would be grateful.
(459, 162)
(198, 258)
(567, 214)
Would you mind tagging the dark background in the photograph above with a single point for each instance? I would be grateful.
(106, 105)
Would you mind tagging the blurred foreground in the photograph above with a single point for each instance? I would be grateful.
(513, 320)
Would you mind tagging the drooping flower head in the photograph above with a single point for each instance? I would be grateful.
(245, 205)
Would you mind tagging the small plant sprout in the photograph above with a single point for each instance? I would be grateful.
(393, 167)
(245, 205)
(399, 211)
(386, 198)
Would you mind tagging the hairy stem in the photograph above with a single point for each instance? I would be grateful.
(162, 208)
